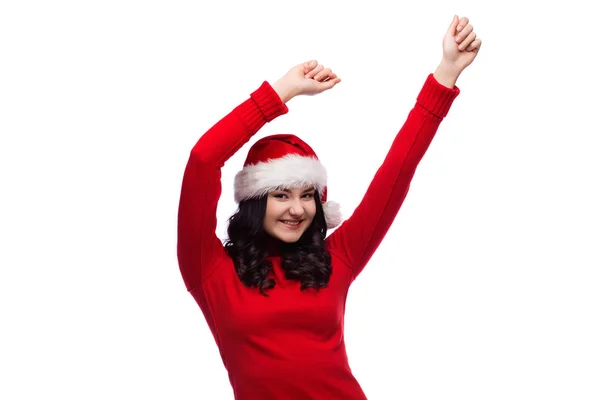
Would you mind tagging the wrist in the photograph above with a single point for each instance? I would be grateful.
(446, 74)
(284, 90)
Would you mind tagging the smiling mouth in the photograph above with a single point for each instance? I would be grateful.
(292, 223)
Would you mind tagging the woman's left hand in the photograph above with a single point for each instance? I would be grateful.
(460, 47)
(460, 44)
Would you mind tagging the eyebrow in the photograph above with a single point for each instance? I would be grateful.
(306, 191)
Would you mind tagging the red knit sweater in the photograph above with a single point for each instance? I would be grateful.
(290, 345)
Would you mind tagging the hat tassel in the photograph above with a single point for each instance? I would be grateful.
(333, 214)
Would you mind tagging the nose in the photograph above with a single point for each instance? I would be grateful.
(296, 209)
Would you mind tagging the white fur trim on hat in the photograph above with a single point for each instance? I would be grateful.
(333, 215)
(287, 172)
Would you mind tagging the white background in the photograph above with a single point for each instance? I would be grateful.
(486, 286)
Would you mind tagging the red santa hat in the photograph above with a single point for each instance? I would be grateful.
(284, 162)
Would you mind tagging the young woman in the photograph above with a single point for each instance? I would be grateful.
(274, 294)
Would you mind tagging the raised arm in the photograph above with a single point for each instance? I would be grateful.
(199, 250)
(356, 239)
(198, 247)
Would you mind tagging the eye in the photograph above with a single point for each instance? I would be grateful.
(280, 195)
(309, 195)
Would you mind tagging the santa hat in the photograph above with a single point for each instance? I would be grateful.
(284, 162)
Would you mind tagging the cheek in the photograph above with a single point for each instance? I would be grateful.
(273, 211)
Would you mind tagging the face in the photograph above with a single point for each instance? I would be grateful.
(289, 213)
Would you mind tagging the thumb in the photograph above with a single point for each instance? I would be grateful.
(453, 24)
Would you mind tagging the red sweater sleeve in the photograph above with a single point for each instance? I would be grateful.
(198, 247)
(357, 238)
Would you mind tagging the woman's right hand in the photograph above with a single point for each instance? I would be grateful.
(308, 78)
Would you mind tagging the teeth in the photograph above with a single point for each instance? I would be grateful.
(291, 223)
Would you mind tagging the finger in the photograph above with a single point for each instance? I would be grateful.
(330, 83)
(462, 23)
(468, 40)
(331, 76)
(316, 70)
(309, 65)
(475, 45)
(323, 74)
(464, 33)
(452, 27)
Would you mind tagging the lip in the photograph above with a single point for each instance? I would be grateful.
(292, 227)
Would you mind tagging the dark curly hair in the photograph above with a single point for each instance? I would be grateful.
(306, 260)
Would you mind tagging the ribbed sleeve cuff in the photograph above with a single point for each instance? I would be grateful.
(436, 98)
(263, 106)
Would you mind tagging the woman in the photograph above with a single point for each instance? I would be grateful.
(274, 294)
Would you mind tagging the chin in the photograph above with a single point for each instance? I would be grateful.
(289, 238)
(291, 241)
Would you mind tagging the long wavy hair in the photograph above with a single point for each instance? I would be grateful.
(306, 260)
